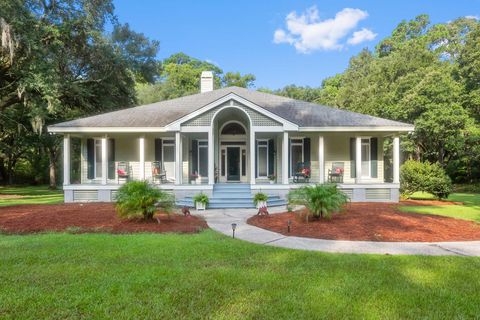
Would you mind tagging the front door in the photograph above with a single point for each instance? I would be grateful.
(233, 163)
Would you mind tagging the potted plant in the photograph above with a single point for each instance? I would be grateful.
(201, 201)
(272, 178)
(260, 200)
(194, 177)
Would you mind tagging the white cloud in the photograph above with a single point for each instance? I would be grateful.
(306, 32)
(473, 17)
(361, 36)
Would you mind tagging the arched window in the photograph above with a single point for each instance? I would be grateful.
(233, 128)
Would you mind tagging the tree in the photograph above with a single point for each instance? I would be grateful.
(56, 63)
(236, 79)
(180, 76)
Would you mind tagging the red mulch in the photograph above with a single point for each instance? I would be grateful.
(89, 217)
(374, 222)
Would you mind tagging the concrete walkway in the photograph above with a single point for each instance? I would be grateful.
(221, 220)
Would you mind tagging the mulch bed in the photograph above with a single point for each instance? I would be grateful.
(89, 217)
(373, 222)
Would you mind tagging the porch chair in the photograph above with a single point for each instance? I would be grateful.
(158, 172)
(123, 171)
(335, 175)
(302, 171)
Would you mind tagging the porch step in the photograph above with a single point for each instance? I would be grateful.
(232, 195)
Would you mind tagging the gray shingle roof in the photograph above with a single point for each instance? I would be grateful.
(160, 114)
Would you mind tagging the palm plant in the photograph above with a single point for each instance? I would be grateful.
(320, 200)
(139, 198)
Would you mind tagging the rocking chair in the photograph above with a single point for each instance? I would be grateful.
(123, 171)
(302, 171)
(158, 172)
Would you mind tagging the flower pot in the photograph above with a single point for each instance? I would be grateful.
(200, 205)
(261, 204)
(272, 182)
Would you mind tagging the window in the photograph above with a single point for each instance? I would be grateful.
(169, 158)
(262, 160)
(203, 158)
(98, 158)
(366, 157)
(296, 154)
(233, 128)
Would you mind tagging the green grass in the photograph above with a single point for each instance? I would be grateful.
(470, 210)
(30, 195)
(90, 276)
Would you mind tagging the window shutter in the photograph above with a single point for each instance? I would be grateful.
(194, 156)
(373, 157)
(352, 158)
(271, 157)
(158, 150)
(90, 158)
(256, 159)
(306, 151)
(111, 158)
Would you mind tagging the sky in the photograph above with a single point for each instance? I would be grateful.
(280, 42)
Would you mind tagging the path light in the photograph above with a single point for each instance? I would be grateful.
(289, 224)
(234, 226)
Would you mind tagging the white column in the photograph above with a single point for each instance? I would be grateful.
(396, 160)
(358, 159)
(252, 156)
(66, 159)
(141, 149)
(285, 158)
(104, 161)
(211, 156)
(178, 158)
(321, 159)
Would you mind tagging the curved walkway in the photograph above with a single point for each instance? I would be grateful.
(221, 220)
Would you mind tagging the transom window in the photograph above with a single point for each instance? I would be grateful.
(233, 128)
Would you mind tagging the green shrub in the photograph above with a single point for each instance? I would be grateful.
(201, 197)
(426, 177)
(259, 196)
(320, 200)
(139, 198)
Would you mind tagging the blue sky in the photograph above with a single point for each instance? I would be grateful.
(280, 42)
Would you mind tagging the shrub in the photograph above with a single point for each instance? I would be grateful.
(201, 197)
(259, 196)
(320, 200)
(139, 198)
(424, 176)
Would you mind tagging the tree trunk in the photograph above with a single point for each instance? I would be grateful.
(52, 169)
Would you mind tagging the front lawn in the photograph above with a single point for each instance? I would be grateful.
(10, 196)
(207, 275)
(470, 210)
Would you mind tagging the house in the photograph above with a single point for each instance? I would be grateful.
(233, 137)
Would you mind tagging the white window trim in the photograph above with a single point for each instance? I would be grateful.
(369, 175)
(302, 144)
(258, 157)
